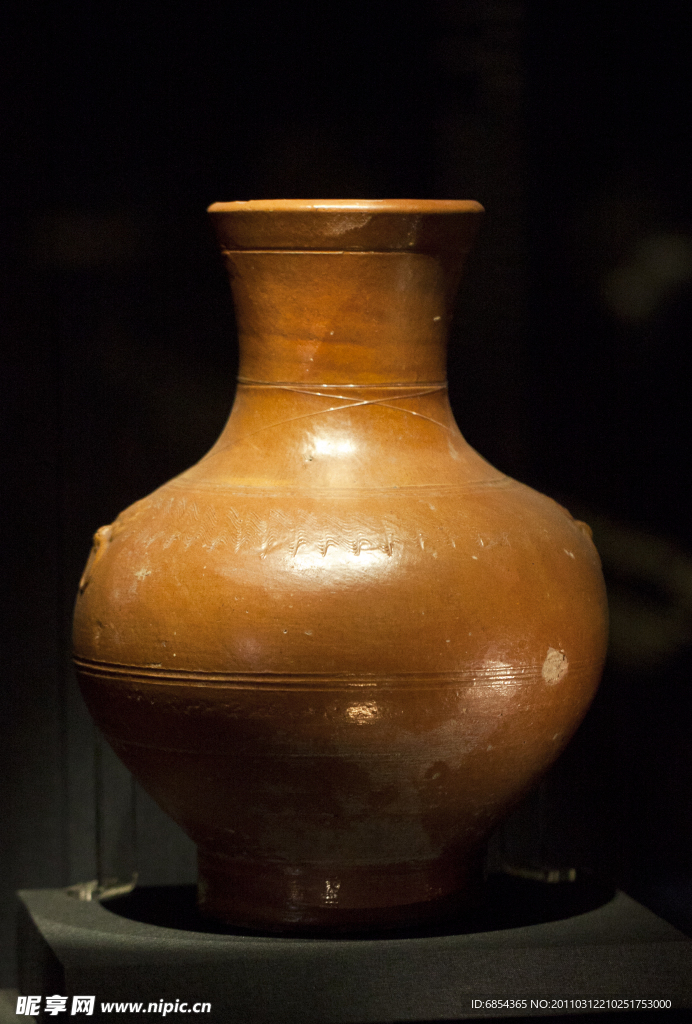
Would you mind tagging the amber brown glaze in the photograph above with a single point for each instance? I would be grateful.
(340, 647)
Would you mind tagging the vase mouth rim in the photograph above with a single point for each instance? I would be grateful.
(405, 206)
(432, 226)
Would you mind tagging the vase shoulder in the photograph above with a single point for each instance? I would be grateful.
(311, 437)
(234, 579)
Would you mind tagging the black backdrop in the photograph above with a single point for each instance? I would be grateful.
(569, 367)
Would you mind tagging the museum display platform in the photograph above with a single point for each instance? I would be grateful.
(557, 945)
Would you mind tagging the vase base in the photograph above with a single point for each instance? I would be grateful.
(315, 899)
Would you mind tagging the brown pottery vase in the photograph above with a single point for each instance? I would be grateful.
(340, 647)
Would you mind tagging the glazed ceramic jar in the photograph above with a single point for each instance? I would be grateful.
(339, 648)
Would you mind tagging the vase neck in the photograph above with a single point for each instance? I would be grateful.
(353, 292)
(342, 318)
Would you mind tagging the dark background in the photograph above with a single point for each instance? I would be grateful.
(569, 364)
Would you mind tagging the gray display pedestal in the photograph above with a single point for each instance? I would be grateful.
(607, 948)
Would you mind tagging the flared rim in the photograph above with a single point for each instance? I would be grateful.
(347, 225)
(407, 206)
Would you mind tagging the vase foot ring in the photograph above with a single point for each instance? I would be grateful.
(280, 898)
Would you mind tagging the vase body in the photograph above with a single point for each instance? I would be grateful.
(340, 648)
